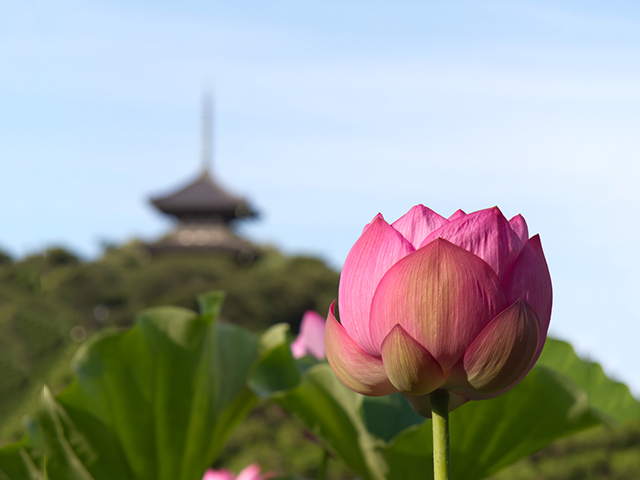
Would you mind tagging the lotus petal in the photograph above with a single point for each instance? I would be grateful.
(519, 226)
(504, 351)
(377, 217)
(457, 215)
(311, 337)
(359, 371)
(530, 280)
(222, 474)
(410, 366)
(417, 223)
(250, 472)
(487, 234)
(442, 295)
(379, 247)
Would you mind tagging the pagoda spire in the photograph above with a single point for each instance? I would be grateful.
(207, 132)
(205, 212)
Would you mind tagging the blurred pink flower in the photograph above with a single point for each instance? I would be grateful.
(222, 474)
(431, 303)
(250, 472)
(310, 341)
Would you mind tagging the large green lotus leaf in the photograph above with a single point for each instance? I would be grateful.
(610, 401)
(17, 464)
(62, 441)
(387, 416)
(156, 402)
(607, 396)
(277, 370)
(332, 412)
(489, 435)
(382, 438)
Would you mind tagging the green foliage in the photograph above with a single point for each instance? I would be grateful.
(5, 258)
(277, 371)
(159, 401)
(58, 256)
(607, 452)
(544, 407)
(332, 412)
(155, 402)
(603, 453)
(44, 297)
(486, 436)
(606, 396)
(270, 437)
(16, 464)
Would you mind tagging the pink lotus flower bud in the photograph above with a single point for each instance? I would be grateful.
(428, 303)
(310, 341)
(250, 472)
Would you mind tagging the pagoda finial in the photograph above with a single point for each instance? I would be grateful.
(207, 131)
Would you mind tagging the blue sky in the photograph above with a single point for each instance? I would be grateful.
(330, 112)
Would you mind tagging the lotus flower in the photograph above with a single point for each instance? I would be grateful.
(310, 341)
(429, 303)
(250, 472)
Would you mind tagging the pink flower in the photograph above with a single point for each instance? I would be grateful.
(460, 304)
(250, 472)
(310, 341)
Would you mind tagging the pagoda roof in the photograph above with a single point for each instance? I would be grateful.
(203, 198)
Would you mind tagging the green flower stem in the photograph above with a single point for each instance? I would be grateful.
(440, 424)
(322, 469)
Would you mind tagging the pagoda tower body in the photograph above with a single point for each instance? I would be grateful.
(205, 212)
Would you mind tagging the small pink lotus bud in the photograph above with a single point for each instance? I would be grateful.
(250, 472)
(310, 341)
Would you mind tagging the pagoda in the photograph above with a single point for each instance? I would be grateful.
(205, 212)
